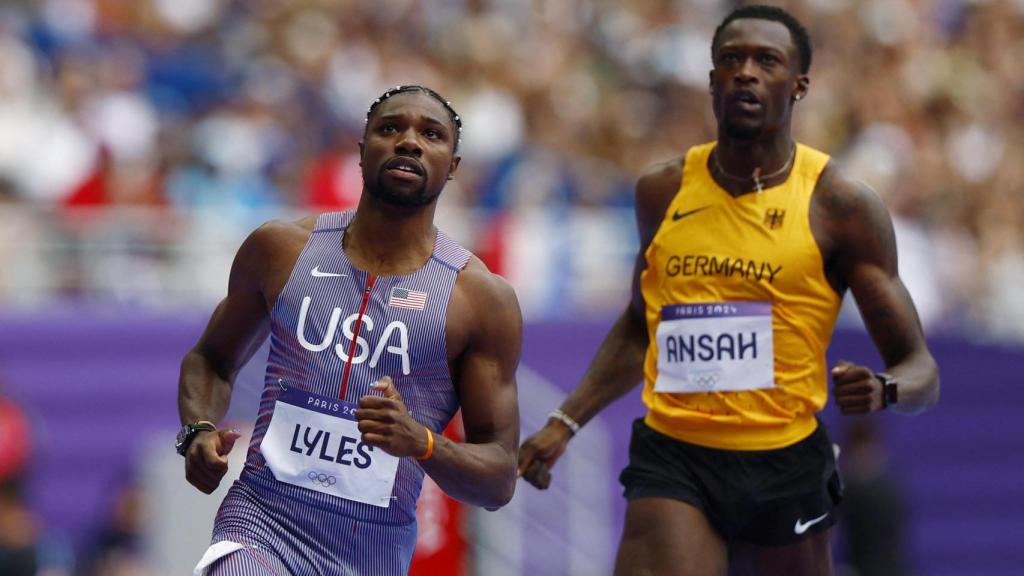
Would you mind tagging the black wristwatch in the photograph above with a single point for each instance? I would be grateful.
(890, 392)
(188, 433)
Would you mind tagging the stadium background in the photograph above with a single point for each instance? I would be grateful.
(140, 142)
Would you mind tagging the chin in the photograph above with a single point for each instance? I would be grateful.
(406, 199)
(743, 131)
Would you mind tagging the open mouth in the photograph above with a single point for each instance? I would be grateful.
(745, 99)
(405, 168)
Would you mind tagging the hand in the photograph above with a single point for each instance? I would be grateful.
(386, 423)
(856, 389)
(539, 453)
(206, 461)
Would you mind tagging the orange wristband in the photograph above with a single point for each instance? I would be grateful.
(430, 445)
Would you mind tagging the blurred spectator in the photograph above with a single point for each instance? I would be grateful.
(118, 548)
(873, 515)
(18, 529)
(232, 112)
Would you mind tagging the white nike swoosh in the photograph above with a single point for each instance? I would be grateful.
(318, 274)
(801, 527)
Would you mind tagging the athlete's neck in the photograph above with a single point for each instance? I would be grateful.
(741, 166)
(386, 241)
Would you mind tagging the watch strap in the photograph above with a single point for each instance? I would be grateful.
(188, 433)
(890, 391)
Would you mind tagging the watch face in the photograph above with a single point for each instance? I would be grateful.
(890, 392)
(179, 441)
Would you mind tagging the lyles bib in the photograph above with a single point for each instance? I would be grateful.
(314, 442)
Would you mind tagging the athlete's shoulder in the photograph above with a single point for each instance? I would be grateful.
(485, 288)
(654, 192)
(279, 228)
(660, 182)
(843, 196)
(272, 243)
(660, 179)
(848, 211)
(484, 310)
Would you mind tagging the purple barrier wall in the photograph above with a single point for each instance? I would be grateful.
(96, 385)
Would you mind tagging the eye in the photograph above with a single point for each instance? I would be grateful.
(768, 59)
(388, 129)
(730, 58)
(432, 134)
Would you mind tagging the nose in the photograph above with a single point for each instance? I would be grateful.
(408, 143)
(745, 74)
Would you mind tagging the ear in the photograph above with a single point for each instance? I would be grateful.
(362, 148)
(803, 83)
(453, 167)
(711, 81)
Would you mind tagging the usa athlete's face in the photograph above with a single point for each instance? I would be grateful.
(756, 78)
(408, 152)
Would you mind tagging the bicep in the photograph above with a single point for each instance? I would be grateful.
(487, 369)
(235, 331)
(241, 321)
(871, 271)
(654, 192)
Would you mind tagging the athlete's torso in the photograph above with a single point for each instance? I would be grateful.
(401, 334)
(739, 311)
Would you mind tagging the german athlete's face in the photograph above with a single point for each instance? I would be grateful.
(408, 152)
(756, 77)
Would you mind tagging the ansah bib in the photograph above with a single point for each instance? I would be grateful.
(714, 347)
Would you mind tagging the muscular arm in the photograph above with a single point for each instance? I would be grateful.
(617, 367)
(235, 331)
(481, 470)
(865, 261)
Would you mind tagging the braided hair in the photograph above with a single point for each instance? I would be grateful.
(401, 89)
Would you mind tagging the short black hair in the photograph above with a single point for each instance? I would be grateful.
(401, 89)
(760, 11)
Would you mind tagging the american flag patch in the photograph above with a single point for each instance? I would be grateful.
(405, 298)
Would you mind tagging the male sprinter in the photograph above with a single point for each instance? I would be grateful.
(381, 328)
(748, 244)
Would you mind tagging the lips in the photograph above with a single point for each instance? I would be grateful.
(404, 166)
(745, 97)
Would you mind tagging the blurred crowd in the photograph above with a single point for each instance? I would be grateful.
(222, 111)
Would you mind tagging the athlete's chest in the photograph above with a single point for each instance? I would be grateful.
(758, 243)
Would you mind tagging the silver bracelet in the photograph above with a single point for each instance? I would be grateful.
(565, 419)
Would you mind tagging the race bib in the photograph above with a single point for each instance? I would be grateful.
(314, 442)
(715, 347)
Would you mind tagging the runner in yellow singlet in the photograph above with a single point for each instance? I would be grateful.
(747, 245)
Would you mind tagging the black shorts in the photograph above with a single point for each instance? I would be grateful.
(766, 497)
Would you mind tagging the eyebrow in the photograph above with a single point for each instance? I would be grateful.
(751, 47)
(423, 117)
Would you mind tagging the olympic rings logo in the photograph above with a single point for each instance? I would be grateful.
(707, 380)
(325, 480)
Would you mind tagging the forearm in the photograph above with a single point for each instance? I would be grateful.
(202, 393)
(478, 474)
(917, 379)
(616, 369)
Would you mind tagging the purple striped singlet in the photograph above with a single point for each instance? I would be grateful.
(291, 529)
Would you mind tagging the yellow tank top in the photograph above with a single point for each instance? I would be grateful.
(754, 256)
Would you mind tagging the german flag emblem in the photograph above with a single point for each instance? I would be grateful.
(773, 218)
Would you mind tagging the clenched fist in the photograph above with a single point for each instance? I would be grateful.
(206, 461)
(856, 389)
(385, 422)
(539, 453)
